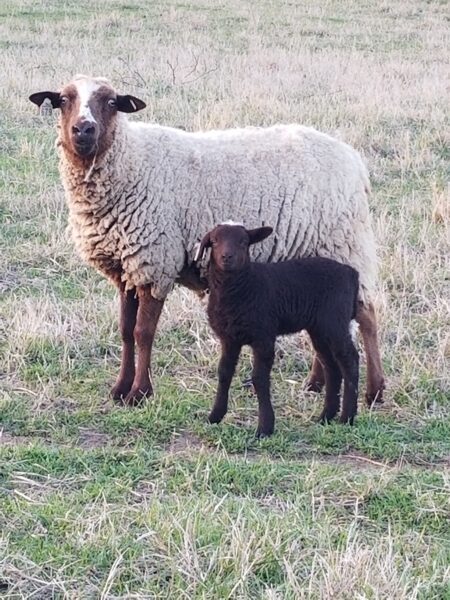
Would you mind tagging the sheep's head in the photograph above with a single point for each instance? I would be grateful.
(89, 107)
(230, 244)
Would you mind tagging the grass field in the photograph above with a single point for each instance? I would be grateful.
(99, 501)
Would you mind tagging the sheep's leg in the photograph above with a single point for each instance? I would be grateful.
(365, 316)
(347, 357)
(316, 379)
(148, 313)
(333, 380)
(225, 371)
(263, 357)
(128, 311)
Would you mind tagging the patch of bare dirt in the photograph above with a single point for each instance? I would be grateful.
(356, 462)
(184, 442)
(8, 439)
(91, 438)
(11, 279)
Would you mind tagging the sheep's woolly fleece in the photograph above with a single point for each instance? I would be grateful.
(157, 190)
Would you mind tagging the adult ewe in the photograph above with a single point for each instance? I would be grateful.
(141, 197)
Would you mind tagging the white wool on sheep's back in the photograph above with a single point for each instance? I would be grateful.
(157, 191)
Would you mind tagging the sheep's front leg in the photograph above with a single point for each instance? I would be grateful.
(263, 357)
(225, 372)
(148, 313)
(128, 311)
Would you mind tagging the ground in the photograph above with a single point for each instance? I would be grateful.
(101, 501)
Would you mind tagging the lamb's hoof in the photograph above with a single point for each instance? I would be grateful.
(215, 417)
(314, 385)
(121, 390)
(346, 420)
(261, 434)
(375, 397)
(137, 396)
(325, 418)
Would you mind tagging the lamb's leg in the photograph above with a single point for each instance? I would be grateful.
(316, 379)
(365, 316)
(225, 371)
(148, 313)
(347, 357)
(333, 380)
(263, 357)
(128, 311)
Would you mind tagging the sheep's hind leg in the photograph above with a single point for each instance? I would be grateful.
(316, 379)
(225, 371)
(128, 311)
(264, 355)
(148, 313)
(366, 318)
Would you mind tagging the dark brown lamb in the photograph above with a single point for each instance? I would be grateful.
(252, 303)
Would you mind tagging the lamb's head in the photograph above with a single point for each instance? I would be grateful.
(230, 244)
(89, 107)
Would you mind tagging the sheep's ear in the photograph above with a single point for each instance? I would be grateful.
(129, 104)
(39, 97)
(259, 234)
(204, 244)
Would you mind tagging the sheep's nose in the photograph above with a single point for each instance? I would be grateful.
(84, 129)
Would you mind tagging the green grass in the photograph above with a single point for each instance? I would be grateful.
(102, 501)
(198, 523)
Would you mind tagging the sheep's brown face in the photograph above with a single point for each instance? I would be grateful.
(230, 245)
(89, 109)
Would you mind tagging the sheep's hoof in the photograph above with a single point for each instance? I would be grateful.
(375, 397)
(248, 385)
(137, 396)
(121, 390)
(314, 385)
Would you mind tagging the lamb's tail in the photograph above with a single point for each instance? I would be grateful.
(356, 295)
(353, 323)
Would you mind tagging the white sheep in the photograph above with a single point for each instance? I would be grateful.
(141, 197)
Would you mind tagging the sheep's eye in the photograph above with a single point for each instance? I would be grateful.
(63, 101)
(112, 102)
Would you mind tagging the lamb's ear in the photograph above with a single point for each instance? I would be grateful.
(259, 234)
(129, 104)
(204, 244)
(39, 97)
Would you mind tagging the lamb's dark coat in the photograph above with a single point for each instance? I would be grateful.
(252, 303)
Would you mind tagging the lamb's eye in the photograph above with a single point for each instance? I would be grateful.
(112, 102)
(63, 101)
